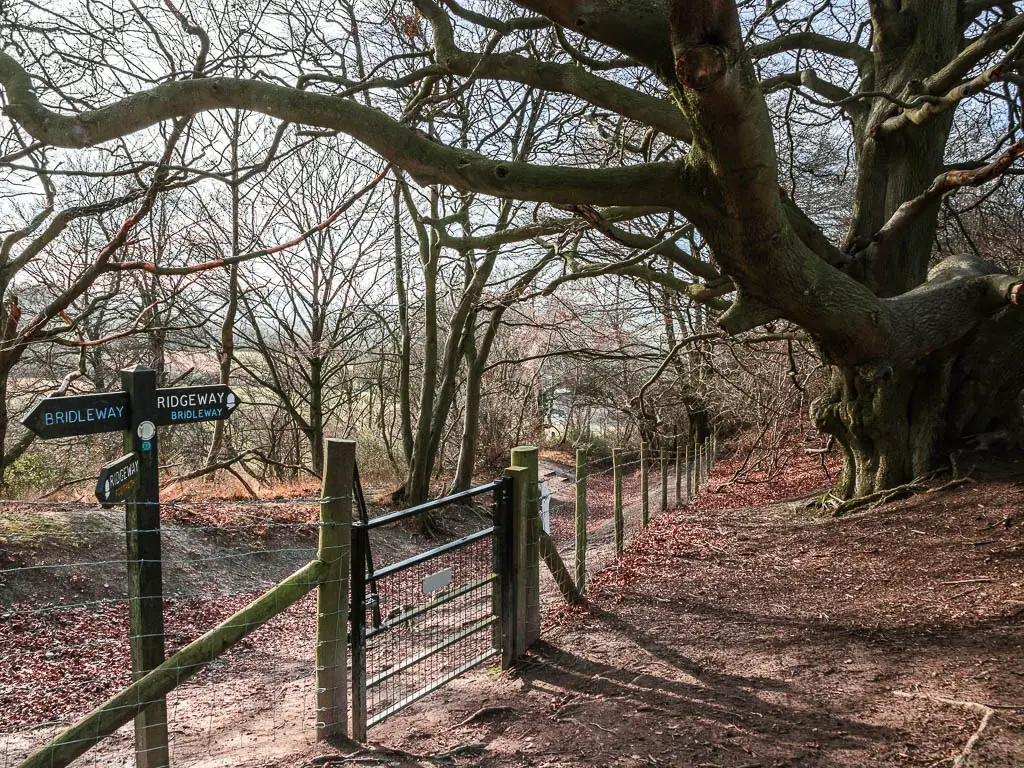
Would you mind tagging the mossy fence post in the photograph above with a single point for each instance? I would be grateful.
(526, 548)
(332, 595)
(689, 473)
(581, 521)
(620, 523)
(679, 472)
(645, 483)
(663, 454)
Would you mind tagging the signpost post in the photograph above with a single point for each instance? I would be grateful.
(145, 583)
(134, 480)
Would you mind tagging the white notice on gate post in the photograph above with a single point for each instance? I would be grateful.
(545, 507)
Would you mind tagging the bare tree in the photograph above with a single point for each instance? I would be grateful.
(695, 97)
(304, 330)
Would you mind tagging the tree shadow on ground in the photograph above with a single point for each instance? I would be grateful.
(710, 699)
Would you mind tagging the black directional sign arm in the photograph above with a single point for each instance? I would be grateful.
(182, 405)
(118, 480)
(68, 416)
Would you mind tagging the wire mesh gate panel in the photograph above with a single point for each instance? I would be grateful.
(422, 621)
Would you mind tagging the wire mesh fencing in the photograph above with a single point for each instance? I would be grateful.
(421, 620)
(65, 640)
(594, 509)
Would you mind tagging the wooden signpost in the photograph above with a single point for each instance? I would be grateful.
(133, 480)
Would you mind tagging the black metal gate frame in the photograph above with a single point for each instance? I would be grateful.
(364, 575)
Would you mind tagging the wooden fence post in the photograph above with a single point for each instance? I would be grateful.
(526, 547)
(332, 606)
(689, 473)
(645, 485)
(679, 473)
(145, 580)
(581, 521)
(620, 523)
(664, 480)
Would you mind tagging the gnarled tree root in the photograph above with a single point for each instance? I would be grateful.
(878, 498)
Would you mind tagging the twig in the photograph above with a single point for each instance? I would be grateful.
(213, 467)
(67, 484)
(969, 581)
(372, 755)
(985, 710)
(480, 714)
(951, 484)
(178, 379)
(575, 701)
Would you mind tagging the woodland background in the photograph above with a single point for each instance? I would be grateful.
(435, 326)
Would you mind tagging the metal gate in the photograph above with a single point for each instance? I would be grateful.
(422, 621)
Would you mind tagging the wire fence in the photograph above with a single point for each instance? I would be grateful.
(615, 486)
(65, 640)
(65, 613)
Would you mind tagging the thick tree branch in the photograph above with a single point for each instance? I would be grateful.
(600, 65)
(637, 28)
(427, 161)
(498, 25)
(854, 104)
(532, 230)
(962, 293)
(912, 210)
(558, 78)
(998, 36)
(665, 247)
(936, 105)
(814, 41)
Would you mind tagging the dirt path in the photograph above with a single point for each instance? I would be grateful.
(725, 638)
(762, 637)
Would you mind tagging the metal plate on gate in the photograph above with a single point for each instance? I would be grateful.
(437, 581)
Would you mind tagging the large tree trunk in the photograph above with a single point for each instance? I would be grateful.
(894, 427)
(902, 429)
